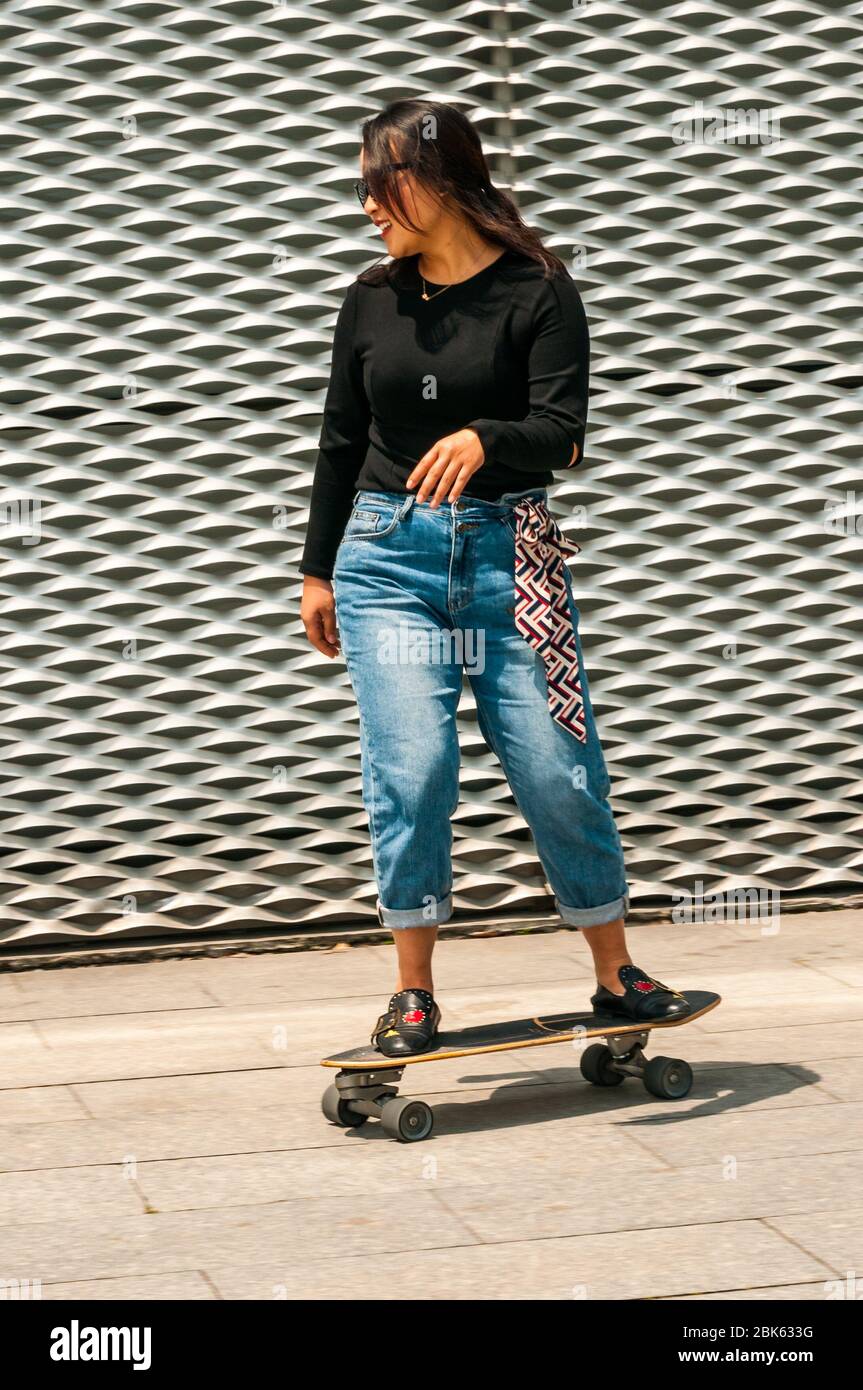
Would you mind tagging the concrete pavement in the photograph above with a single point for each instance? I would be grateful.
(161, 1134)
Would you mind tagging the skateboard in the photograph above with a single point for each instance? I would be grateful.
(362, 1085)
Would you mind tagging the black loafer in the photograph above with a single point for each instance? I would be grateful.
(409, 1025)
(645, 1000)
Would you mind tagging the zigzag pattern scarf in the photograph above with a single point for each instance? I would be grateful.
(542, 613)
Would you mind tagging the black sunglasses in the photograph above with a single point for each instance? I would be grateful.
(362, 189)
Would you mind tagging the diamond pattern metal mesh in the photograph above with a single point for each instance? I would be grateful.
(178, 232)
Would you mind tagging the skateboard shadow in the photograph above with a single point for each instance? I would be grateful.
(541, 1095)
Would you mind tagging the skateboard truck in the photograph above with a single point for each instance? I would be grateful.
(627, 1052)
(622, 1055)
(355, 1095)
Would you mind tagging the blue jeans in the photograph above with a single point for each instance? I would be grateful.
(421, 597)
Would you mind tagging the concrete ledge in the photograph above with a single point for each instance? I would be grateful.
(299, 937)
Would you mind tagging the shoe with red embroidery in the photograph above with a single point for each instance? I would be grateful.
(409, 1025)
(645, 1000)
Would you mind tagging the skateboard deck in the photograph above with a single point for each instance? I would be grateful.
(522, 1032)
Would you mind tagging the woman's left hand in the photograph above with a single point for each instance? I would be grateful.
(447, 466)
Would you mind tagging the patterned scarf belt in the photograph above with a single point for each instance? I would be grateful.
(542, 611)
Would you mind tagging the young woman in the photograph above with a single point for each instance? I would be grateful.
(459, 384)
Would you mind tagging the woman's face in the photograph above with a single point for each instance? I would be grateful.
(424, 211)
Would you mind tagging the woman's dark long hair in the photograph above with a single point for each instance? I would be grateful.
(446, 156)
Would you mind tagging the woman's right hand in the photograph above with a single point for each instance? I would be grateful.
(318, 612)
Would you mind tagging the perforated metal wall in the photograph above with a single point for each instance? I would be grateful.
(178, 230)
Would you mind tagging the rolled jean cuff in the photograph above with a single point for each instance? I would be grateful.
(594, 916)
(433, 914)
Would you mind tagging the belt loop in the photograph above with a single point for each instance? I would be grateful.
(411, 498)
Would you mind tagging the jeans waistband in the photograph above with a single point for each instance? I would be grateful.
(465, 506)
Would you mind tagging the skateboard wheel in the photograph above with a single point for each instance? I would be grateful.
(338, 1111)
(668, 1077)
(596, 1066)
(407, 1120)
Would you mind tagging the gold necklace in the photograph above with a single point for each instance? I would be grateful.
(425, 293)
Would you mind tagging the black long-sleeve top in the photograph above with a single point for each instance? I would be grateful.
(505, 352)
